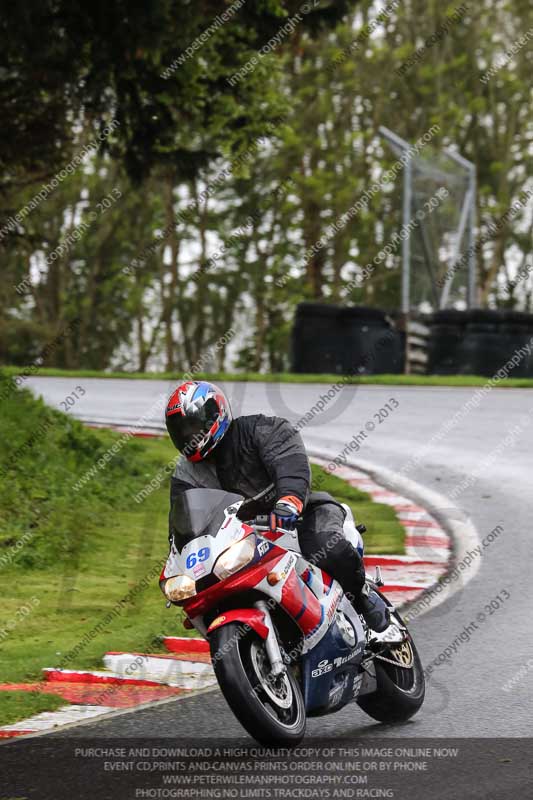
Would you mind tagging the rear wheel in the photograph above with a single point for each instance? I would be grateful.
(400, 682)
(270, 708)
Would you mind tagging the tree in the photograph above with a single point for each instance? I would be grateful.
(161, 70)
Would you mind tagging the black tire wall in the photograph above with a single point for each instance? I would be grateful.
(339, 340)
(479, 342)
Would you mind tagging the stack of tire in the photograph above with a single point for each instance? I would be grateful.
(479, 342)
(355, 340)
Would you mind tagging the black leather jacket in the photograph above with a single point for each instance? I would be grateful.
(261, 458)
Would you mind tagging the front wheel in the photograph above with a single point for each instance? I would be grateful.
(270, 708)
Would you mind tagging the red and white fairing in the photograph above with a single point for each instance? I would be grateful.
(308, 594)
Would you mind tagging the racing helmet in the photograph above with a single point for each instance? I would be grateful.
(197, 417)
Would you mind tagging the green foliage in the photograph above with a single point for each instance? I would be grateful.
(21, 340)
(257, 172)
(44, 453)
(73, 556)
(289, 377)
(123, 60)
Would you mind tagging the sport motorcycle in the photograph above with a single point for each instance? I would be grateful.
(285, 641)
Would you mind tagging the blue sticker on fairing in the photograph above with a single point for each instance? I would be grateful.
(324, 666)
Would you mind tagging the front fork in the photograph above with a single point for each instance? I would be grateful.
(271, 642)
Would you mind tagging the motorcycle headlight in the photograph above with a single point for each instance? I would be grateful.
(235, 557)
(179, 588)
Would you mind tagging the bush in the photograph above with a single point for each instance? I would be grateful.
(21, 341)
(44, 454)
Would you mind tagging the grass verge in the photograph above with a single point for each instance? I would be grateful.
(281, 377)
(79, 568)
(17, 705)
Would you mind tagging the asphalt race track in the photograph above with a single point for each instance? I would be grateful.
(465, 696)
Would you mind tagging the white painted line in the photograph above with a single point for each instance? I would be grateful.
(95, 672)
(169, 671)
(390, 499)
(49, 720)
(428, 553)
(406, 517)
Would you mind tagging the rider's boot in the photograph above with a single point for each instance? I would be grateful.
(372, 608)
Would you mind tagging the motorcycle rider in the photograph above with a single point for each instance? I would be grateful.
(264, 460)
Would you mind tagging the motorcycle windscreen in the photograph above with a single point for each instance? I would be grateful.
(199, 512)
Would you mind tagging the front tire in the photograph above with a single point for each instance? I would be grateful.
(271, 710)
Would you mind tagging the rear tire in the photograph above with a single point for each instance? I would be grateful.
(272, 711)
(400, 689)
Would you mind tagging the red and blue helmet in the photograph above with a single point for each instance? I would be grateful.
(198, 415)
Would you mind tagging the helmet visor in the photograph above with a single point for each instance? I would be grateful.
(187, 432)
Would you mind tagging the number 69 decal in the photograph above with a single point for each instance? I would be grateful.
(193, 558)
